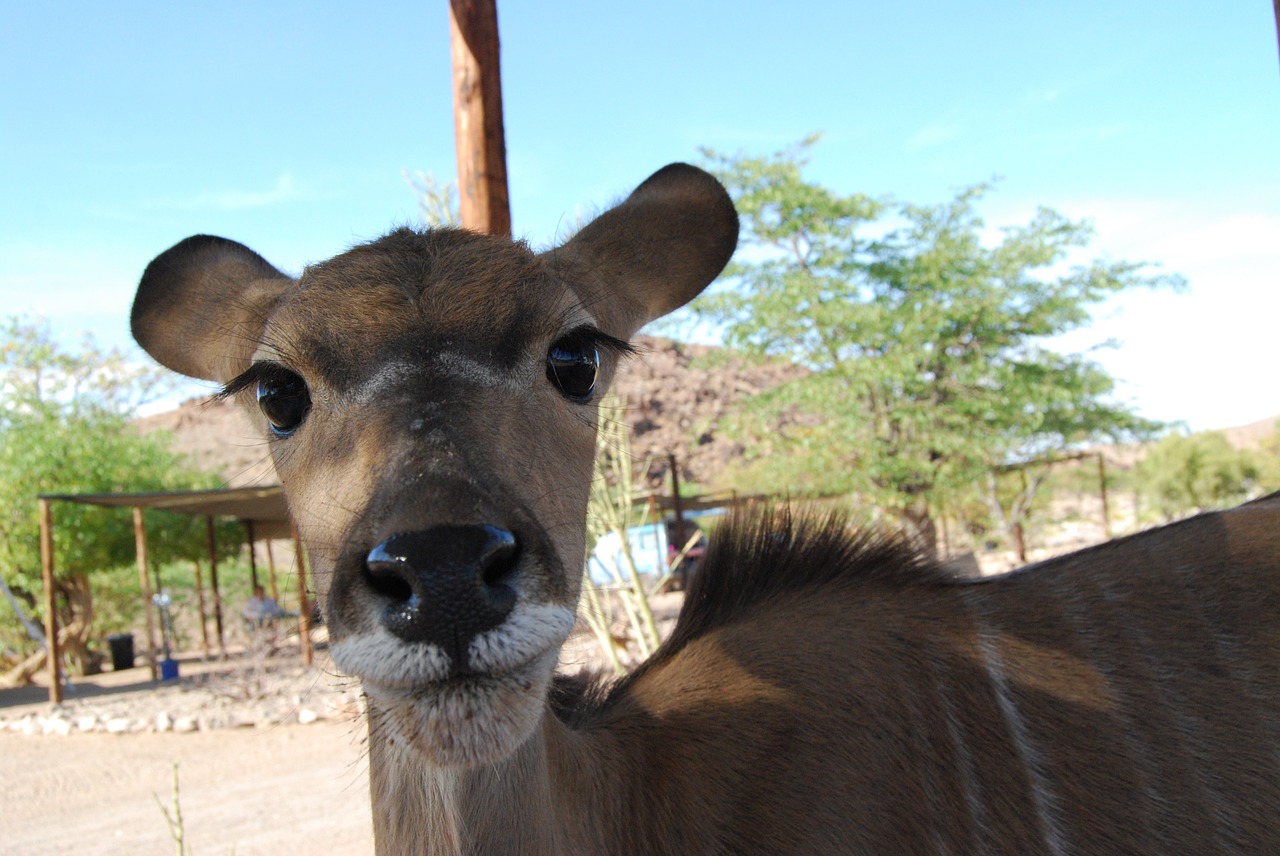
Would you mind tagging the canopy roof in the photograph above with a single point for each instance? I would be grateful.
(263, 506)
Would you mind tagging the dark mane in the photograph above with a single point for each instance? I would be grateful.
(761, 553)
(757, 555)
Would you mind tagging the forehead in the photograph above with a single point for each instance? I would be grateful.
(418, 293)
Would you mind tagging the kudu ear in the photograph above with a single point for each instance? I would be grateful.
(654, 252)
(202, 304)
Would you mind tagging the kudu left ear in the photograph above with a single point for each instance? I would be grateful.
(654, 252)
(202, 304)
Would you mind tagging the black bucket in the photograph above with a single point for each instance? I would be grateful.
(121, 651)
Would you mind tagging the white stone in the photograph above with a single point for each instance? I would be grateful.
(119, 725)
(185, 724)
(164, 722)
(56, 725)
(306, 716)
(87, 723)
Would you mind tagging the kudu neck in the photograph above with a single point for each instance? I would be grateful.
(538, 801)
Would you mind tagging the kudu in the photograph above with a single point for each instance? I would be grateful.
(429, 400)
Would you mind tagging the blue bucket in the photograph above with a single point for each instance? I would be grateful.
(168, 670)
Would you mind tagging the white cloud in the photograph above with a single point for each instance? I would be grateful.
(934, 134)
(285, 189)
(1199, 356)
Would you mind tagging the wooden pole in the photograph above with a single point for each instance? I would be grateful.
(304, 602)
(213, 583)
(271, 573)
(1102, 490)
(253, 554)
(1276, 4)
(144, 579)
(477, 116)
(50, 613)
(677, 501)
(204, 628)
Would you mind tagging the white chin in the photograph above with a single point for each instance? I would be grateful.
(464, 722)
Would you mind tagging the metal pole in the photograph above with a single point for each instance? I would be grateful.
(204, 629)
(477, 115)
(253, 554)
(304, 602)
(213, 582)
(144, 579)
(50, 614)
(271, 572)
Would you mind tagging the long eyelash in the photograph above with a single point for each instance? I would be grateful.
(255, 374)
(590, 335)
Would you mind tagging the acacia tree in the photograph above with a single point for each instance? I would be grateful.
(926, 341)
(64, 428)
(1185, 474)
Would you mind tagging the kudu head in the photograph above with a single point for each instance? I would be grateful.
(429, 402)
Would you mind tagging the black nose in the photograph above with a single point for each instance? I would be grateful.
(445, 584)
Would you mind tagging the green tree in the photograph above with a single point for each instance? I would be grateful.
(64, 428)
(1185, 474)
(925, 339)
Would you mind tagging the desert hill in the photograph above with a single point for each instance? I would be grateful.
(673, 401)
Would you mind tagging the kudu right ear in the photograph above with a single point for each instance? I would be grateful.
(654, 252)
(202, 304)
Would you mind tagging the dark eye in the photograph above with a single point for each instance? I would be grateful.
(571, 365)
(284, 400)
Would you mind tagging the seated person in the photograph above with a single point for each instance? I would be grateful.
(260, 609)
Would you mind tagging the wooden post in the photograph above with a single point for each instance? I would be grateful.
(50, 612)
(1102, 490)
(204, 628)
(477, 116)
(271, 572)
(144, 579)
(304, 602)
(1019, 534)
(253, 554)
(213, 583)
(1276, 4)
(678, 502)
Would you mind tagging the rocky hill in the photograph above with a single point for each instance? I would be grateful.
(674, 399)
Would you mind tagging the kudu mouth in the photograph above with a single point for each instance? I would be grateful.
(445, 586)
(446, 604)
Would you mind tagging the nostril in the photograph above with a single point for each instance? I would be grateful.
(387, 573)
(499, 561)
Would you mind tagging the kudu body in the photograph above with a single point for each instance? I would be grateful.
(429, 403)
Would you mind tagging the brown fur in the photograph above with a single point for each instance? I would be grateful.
(824, 691)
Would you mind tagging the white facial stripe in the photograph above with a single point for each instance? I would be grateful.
(395, 375)
(475, 372)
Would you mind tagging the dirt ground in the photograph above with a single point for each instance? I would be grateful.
(252, 779)
(290, 789)
(255, 775)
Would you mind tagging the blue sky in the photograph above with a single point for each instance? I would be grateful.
(125, 127)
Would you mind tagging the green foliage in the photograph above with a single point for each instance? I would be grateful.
(64, 428)
(926, 340)
(1181, 475)
(437, 202)
(611, 509)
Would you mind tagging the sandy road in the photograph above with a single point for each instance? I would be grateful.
(290, 789)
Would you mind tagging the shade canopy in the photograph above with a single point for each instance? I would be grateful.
(263, 507)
